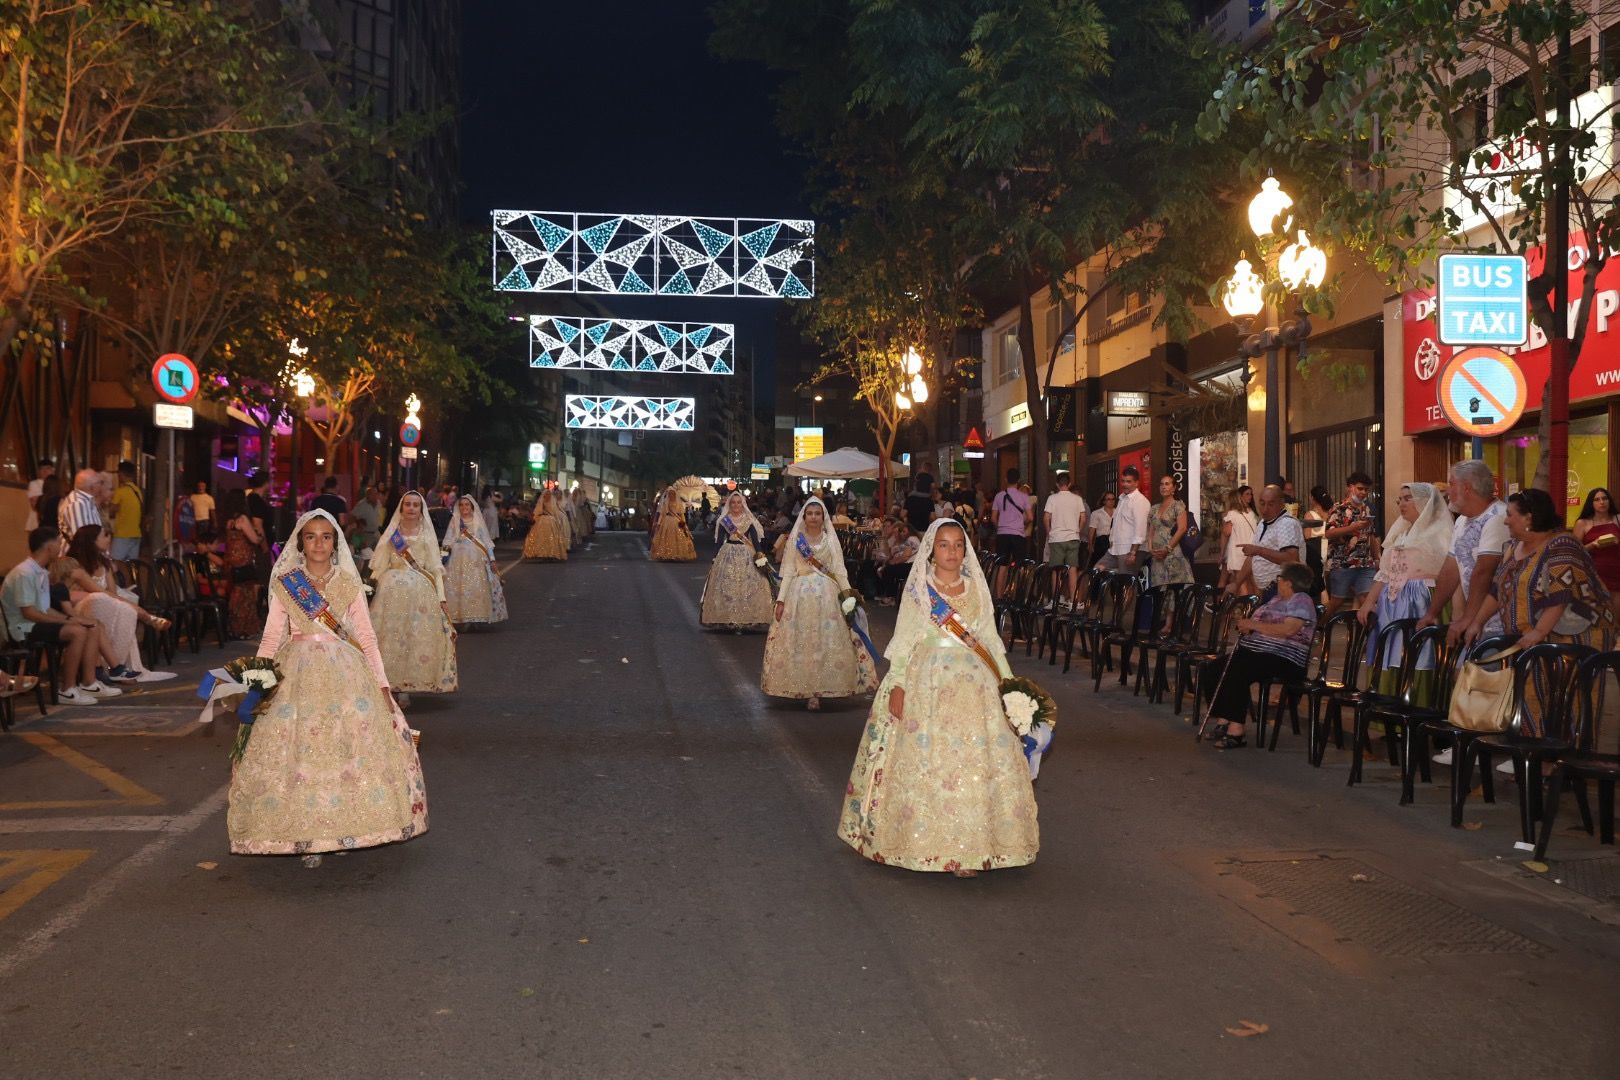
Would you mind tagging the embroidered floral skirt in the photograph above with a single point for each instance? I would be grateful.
(471, 587)
(330, 766)
(812, 652)
(737, 593)
(545, 540)
(671, 542)
(413, 635)
(945, 787)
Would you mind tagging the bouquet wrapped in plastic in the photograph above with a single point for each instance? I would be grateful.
(255, 680)
(1033, 714)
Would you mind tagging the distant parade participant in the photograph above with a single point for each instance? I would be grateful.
(671, 539)
(940, 782)
(410, 612)
(563, 507)
(811, 651)
(545, 540)
(329, 765)
(472, 588)
(737, 594)
(584, 520)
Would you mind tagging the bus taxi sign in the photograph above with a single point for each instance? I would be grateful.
(1483, 299)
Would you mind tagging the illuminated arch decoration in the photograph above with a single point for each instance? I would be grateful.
(639, 254)
(631, 345)
(628, 413)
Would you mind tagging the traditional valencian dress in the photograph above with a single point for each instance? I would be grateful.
(417, 641)
(545, 540)
(671, 540)
(737, 594)
(330, 765)
(811, 652)
(946, 786)
(472, 588)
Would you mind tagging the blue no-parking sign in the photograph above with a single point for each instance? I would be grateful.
(1483, 300)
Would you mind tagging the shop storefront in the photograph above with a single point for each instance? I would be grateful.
(1006, 436)
(1594, 393)
(1335, 421)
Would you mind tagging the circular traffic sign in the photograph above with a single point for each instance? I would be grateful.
(410, 434)
(175, 378)
(1482, 391)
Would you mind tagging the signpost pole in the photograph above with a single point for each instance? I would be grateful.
(169, 502)
(1477, 445)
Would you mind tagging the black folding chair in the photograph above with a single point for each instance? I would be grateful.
(1595, 678)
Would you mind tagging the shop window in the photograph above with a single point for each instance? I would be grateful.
(1058, 317)
(1009, 357)
(1326, 458)
(1515, 457)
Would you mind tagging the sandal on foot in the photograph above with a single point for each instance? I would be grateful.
(1230, 742)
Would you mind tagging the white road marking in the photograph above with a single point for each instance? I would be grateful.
(36, 944)
(110, 823)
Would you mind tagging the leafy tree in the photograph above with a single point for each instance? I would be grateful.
(1376, 108)
(89, 95)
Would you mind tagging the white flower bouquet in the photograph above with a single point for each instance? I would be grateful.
(1032, 714)
(761, 562)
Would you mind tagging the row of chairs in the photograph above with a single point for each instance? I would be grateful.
(190, 594)
(1122, 625)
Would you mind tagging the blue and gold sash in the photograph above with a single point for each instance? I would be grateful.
(309, 600)
(732, 531)
(802, 546)
(462, 527)
(948, 619)
(402, 548)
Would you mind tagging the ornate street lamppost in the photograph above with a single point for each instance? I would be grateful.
(1298, 266)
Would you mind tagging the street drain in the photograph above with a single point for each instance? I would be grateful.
(1598, 878)
(1368, 908)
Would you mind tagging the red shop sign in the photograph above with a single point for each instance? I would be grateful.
(1597, 370)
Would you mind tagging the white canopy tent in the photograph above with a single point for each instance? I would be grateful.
(846, 463)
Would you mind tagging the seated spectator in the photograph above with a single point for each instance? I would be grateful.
(1276, 644)
(25, 601)
(892, 574)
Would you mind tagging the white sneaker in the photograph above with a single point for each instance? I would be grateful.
(154, 676)
(101, 690)
(75, 696)
(1443, 757)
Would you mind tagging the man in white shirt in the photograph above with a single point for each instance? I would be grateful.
(36, 490)
(1277, 543)
(1064, 512)
(81, 506)
(1479, 537)
(1129, 529)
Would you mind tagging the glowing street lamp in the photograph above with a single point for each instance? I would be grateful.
(304, 384)
(1298, 266)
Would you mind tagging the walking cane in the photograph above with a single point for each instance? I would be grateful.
(1209, 713)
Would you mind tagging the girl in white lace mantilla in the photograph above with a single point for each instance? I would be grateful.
(940, 781)
(409, 610)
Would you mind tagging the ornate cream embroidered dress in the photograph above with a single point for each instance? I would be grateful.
(471, 586)
(671, 542)
(946, 786)
(413, 633)
(330, 765)
(737, 593)
(811, 651)
(545, 540)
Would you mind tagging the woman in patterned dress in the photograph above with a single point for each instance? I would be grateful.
(811, 652)
(1167, 524)
(671, 539)
(940, 782)
(737, 594)
(472, 588)
(545, 540)
(243, 542)
(329, 766)
(414, 633)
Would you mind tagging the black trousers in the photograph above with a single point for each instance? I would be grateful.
(1250, 666)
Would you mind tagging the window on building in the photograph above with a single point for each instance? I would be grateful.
(1121, 303)
(1009, 358)
(1609, 53)
(1058, 320)
(1515, 105)
(1469, 130)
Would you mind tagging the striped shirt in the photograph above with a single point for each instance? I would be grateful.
(78, 509)
(1296, 647)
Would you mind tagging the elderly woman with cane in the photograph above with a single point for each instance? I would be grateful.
(1275, 645)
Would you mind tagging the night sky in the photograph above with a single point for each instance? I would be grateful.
(617, 106)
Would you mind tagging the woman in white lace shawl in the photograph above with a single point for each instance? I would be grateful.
(329, 765)
(737, 592)
(472, 588)
(811, 652)
(409, 610)
(940, 782)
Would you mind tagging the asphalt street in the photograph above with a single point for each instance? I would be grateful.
(632, 872)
